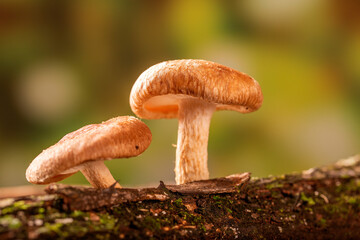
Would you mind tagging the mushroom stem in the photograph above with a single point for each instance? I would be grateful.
(193, 134)
(98, 174)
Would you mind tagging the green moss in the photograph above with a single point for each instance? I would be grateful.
(10, 222)
(274, 185)
(78, 213)
(178, 202)
(39, 216)
(152, 223)
(228, 210)
(353, 200)
(20, 206)
(56, 227)
(216, 197)
(107, 221)
(307, 200)
(322, 222)
(222, 199)
(49, 228)
(193, 219)
(41, 210)
(118, 210)
(55, 215)
(202, 227)
(351, 186)
(7, 210)
(310, 210)
(78, 230)
(342, 205)
(224, 203)
(329, 209)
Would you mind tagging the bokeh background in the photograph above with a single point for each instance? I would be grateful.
(65, 64)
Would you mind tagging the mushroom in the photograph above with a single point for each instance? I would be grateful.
(191, 90)
(86, 149)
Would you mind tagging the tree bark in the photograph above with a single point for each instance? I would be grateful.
(320, 203)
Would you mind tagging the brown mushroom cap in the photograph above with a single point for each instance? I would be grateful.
(157, 91)
(119, 137)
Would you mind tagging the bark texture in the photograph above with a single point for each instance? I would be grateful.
(320, 203)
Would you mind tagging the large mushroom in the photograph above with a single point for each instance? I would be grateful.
(191, 90)
(86, 149)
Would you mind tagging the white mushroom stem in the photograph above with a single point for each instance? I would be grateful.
(193, 134)
(98, 174)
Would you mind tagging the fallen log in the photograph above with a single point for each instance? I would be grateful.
(320, 203)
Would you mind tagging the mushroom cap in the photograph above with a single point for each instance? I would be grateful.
(119, 137)
(158, 90)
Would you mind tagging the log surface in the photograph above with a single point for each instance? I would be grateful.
(320, 203)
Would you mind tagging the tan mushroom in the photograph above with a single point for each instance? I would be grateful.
(86, 149)
(191, 90)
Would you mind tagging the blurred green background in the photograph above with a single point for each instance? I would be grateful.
(65, 64)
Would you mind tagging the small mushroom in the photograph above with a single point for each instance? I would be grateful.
(86, 149)
(191, 90)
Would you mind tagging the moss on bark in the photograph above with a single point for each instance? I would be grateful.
(322, 203)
